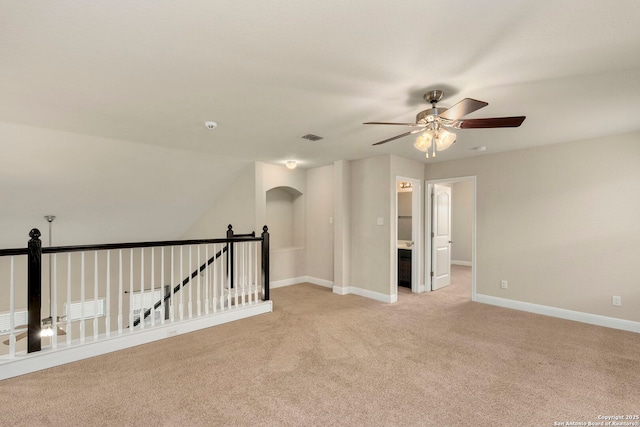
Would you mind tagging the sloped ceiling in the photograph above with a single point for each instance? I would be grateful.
(103, 102)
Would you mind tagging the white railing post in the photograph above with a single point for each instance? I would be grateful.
(82, 326)
(12, 308)
(153, 276)
(141, 314)
(130, 290)
(95, 297)
(189, 283)
(172, 300)
(206, 279)
(162, 286)
(120, 291)
(243, 277)
(198, 297)
(54, 302)
(107, 319)
(181, 306)
(68, 299)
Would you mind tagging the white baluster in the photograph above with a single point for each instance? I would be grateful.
(95, 296)
(236, 274)
(198, 301)
(12, 308)
(68, 299)
(120, 290)
(213, 281)
(82, 297)
(258, 275)
(162, 286)
(250, 267)
(54, 303)
(206, 284)
(153, 275)
(190, 283)
(223, 263)
(181, 307)
(131, 290)
(172, 300)
(243, 271)
(141, 317)
(107, 319)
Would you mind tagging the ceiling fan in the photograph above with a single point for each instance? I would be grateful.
(47, 323)
(434, 122)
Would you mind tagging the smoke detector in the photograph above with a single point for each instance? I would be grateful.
(211, 125)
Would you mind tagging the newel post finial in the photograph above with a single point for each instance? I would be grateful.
(35, 234)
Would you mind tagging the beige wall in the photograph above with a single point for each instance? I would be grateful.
(236, 206)
(319, 242)
(370, 242)
(559, 223)
(461, 220)
(342, 223)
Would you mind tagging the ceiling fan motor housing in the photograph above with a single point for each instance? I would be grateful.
(429, 115)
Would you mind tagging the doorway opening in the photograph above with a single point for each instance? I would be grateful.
(450, 232)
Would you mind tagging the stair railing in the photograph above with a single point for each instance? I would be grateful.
(35, 251)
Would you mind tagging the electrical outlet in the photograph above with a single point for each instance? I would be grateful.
(616, 300)
(503, 284)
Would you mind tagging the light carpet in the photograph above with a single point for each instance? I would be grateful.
(433, 359)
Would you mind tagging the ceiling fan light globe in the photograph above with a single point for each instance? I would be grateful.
(445, 139)
(423, 142)
(46, 332)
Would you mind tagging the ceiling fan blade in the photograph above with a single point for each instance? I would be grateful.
(389, 123)
(495, 122)
(61, 331)
(462, 108)
(400, 136)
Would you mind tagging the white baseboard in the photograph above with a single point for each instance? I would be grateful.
(48, 357)
(344, 290)
(286, 282)
(301, 279)
(578, 316)
(457, 262)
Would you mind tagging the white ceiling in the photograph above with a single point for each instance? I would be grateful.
(144, 76)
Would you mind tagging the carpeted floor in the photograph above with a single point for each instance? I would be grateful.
(434, 359)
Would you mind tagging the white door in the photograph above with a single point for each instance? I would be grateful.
(441, 237)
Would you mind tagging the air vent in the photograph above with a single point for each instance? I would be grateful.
(311, 137)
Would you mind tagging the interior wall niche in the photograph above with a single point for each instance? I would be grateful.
(285, 216)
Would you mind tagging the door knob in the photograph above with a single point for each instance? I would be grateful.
(450, 241)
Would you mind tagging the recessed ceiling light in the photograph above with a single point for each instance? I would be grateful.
(211, 125)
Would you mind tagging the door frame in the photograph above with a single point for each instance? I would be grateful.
(428, 228)
(417, 282)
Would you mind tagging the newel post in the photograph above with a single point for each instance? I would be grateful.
(265, 263)
(34, 291)
(230, 256)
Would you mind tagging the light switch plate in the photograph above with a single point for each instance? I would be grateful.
(380, 221)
